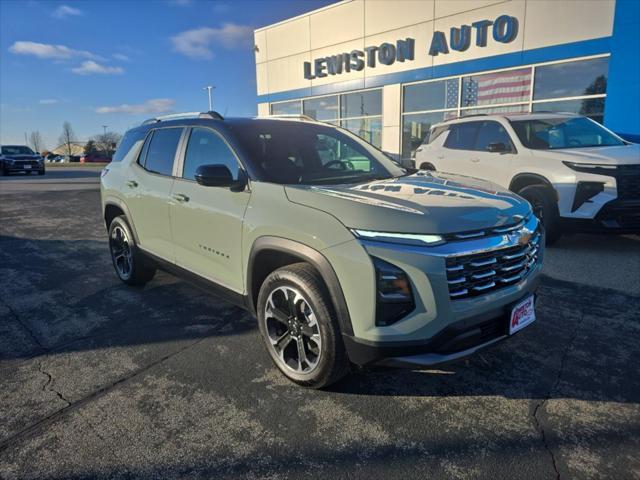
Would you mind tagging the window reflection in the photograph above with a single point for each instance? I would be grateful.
(369, 129)
(589, 107)
(361, 104)
(323, 108)
(571, 79)
(431, 96)
(415, 129)
(286, 108)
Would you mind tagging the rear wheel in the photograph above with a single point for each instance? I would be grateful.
(545, 208)
(129, 264)
(299, 327)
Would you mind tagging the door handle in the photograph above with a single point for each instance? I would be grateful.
(475, 159)
(440, 157)
(180, 197)
(132, 184)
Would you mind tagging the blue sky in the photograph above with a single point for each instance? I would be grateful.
(116, 63)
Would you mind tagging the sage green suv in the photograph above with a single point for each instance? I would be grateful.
(342, 255)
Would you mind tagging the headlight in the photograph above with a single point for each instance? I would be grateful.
(595, 168)
(403, 238)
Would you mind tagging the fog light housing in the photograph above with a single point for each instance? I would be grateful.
(394, 296)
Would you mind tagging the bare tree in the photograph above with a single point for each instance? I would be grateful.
(36, 142)
(106, 143)
(67, 138)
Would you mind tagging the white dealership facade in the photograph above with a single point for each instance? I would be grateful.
(388, 69)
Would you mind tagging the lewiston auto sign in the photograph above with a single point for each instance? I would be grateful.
(503, 29)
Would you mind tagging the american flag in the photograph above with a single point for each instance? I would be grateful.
(494, 88)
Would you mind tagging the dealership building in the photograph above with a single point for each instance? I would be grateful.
(389, 69)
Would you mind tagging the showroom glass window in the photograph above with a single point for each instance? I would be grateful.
(206, 147)
(425, 104)
(286, 108)
(325, 109)
(583, 78)
(161, 150)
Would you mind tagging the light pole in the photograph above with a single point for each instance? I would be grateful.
(104, 127)
(208, 88)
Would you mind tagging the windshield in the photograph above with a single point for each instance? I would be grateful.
(304, 153)
(557, 133)
(16, 150)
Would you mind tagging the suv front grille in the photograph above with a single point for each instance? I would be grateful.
(628, 182)
(480, 273)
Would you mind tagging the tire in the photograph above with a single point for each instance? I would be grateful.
(545, 208)
(127, 260)
(313, 327)
(5, 172)
(41, 172)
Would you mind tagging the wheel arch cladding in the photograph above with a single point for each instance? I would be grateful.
(270, 253)
(114, 208)
(522, 180)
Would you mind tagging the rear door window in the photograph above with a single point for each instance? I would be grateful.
(462, 136)
(162, 150)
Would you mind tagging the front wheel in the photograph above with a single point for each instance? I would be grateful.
(545, 208)
(130, 266)
(299, 327)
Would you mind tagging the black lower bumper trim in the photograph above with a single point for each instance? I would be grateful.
(457, 340)
(617, 216)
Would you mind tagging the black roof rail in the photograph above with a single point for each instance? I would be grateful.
(177, 116)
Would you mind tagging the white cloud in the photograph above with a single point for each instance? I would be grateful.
(156, 105)
(49, 101)
(45, 50)
(121, 57)
(64, 11)
(198, 43)
(90, 67)
(181, 3)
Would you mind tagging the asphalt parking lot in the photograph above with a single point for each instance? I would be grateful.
(99, 380)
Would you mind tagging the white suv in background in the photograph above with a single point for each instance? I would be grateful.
(576, 174)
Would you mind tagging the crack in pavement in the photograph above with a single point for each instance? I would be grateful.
(47, 386)
(538, 422)
(31, 429)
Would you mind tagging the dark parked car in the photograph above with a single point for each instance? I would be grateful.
(20, 158)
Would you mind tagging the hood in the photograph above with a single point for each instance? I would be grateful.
(426, 202)
(615, 155)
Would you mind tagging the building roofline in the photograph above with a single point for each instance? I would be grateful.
(302, 15)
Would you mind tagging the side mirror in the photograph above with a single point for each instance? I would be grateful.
(218, 175)
(498, 147)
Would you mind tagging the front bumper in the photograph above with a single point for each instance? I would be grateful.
(23, 167)
(446, 324)
(617, 216)
(456, 341)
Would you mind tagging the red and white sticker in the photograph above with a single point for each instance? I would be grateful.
(523, 314)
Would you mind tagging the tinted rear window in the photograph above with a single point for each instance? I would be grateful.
(462, 136)
(129, 145)
(162, 150)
